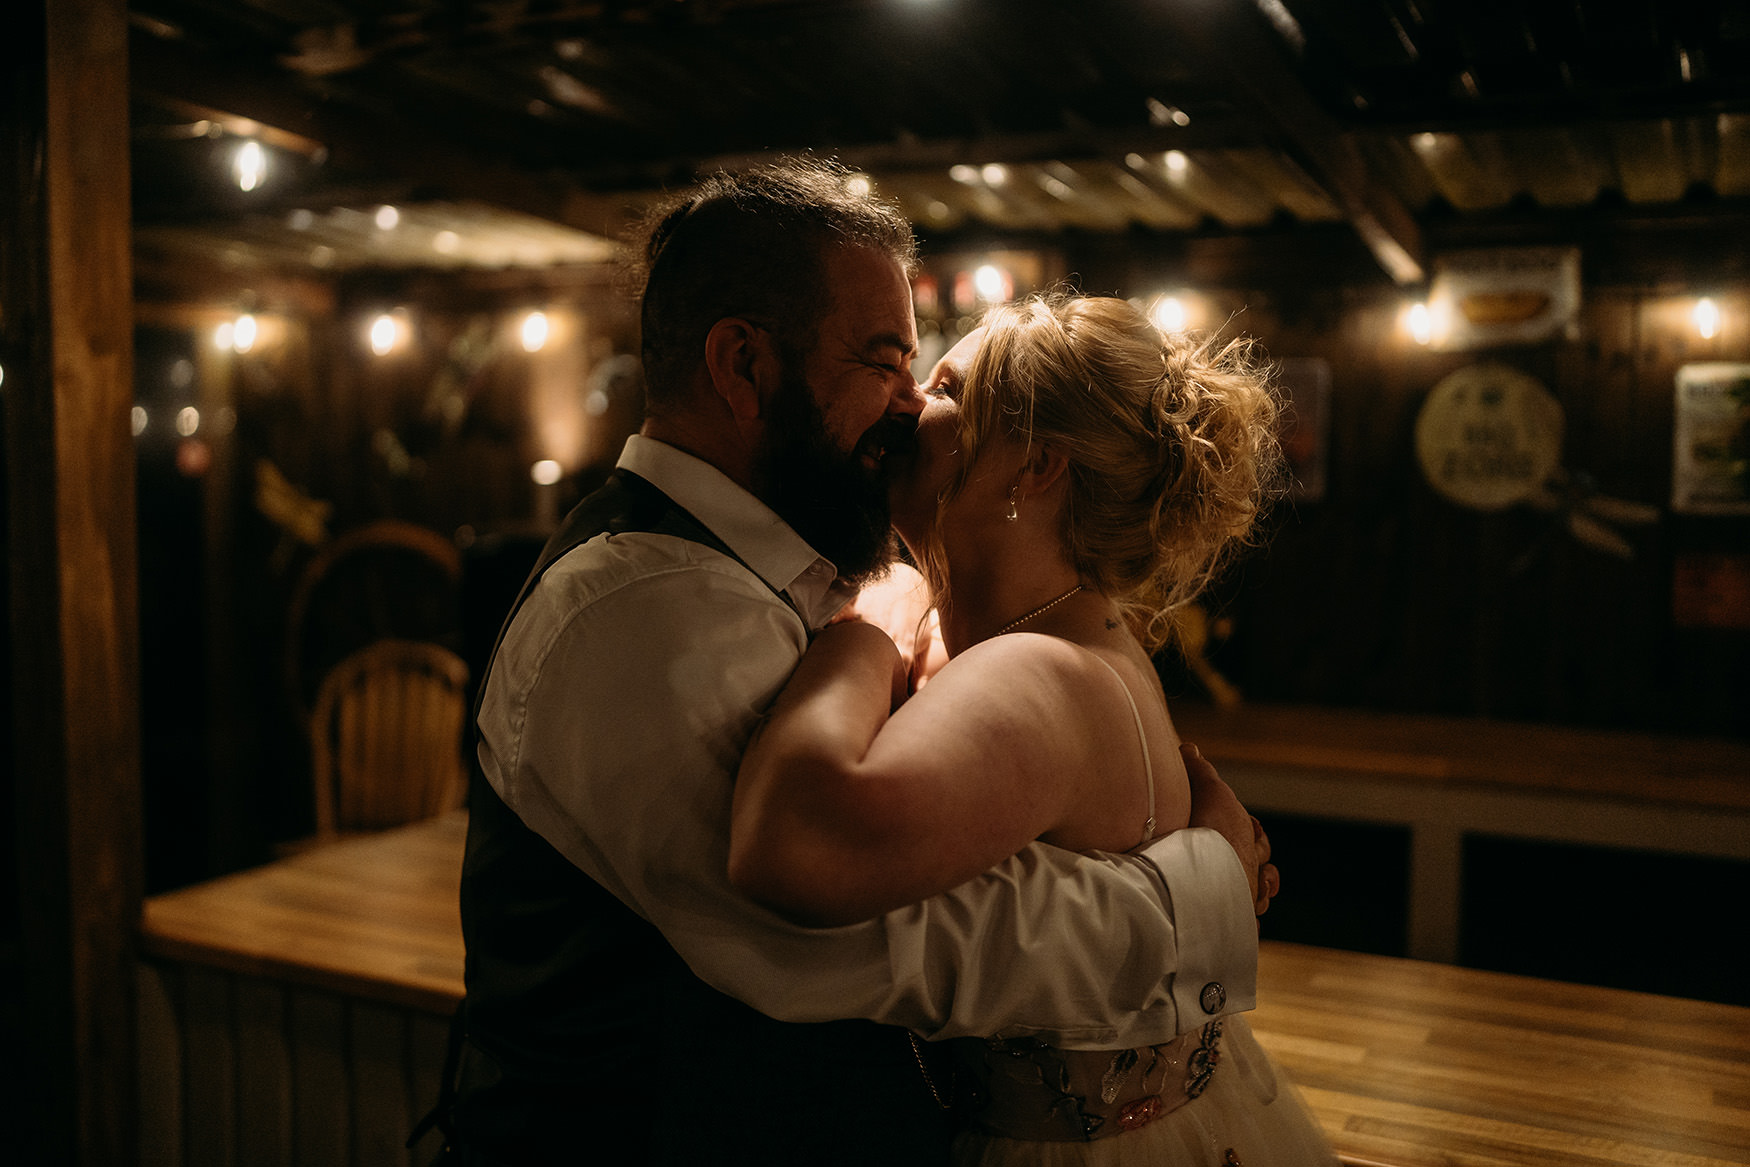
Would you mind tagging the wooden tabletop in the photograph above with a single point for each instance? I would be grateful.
(373, 917)
(1404, 1062)
(1458, 751)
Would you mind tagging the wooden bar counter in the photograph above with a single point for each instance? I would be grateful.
(1404, 1062)
(1448, 780)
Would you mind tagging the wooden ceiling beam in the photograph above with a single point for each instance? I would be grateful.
(358, 141)
(1235, 38)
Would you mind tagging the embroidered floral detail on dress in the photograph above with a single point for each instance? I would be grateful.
(1200, 1066)
(1140, 1113)
(1122, 1063)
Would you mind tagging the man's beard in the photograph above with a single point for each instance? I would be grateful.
(829, 497)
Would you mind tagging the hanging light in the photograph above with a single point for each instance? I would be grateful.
(1169, 314)
(992, 284)
(1707, 318)
(1419, 322)
(249, 165)
(535, 332)
(243, 333)
(385, 334)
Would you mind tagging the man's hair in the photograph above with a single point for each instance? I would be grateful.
(752, 243)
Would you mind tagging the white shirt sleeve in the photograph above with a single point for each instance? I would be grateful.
(613, 723)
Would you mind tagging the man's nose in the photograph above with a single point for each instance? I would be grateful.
(908, 398)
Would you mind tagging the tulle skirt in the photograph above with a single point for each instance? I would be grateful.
(1249, 1116)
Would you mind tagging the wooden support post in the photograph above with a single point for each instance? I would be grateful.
(66, 343)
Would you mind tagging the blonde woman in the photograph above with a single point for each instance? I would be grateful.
(1077, 475)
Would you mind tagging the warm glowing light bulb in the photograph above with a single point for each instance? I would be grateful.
(137, 418)
(223, 335)
(1178, 162)
(988, 281)
(243, 333)
(249, 165)
(545, 472)
(1707, 318)
(387, 217)
(994, 174)
(1420, 322)
(858, 185)
(188, 420)
(1169, 314)
(383, 335)
(535, 330)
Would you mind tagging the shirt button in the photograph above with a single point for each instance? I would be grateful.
(1213, 997)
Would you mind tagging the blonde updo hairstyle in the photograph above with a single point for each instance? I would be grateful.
(1171, 443)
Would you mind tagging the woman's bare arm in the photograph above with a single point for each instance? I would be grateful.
(846, 807)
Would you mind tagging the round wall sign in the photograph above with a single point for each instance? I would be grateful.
(1489, 436)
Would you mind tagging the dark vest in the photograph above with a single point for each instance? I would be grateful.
(589, 1040)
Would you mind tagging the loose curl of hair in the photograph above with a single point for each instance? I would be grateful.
(1171, 444)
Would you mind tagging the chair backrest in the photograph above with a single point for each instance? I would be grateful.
(386, 737)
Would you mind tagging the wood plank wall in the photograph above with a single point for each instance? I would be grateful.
(241, 1071)
(1382, 595)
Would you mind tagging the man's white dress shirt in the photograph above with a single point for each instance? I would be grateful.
(613, 723)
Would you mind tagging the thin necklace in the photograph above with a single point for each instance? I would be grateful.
(1042, 608)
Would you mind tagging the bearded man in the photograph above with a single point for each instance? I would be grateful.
(624, 1003)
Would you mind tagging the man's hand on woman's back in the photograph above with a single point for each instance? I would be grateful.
(1214, 805)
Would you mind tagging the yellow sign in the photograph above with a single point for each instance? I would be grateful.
(1489, 436)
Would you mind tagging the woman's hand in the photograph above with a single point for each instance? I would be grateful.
(899, 604)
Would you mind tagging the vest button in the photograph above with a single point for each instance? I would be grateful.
(1213, 997)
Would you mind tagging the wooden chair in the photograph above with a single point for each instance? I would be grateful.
(386, 737)
(385, 580)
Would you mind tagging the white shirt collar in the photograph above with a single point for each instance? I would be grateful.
(756, 534)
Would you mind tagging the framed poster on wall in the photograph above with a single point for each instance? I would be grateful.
(1710, 465)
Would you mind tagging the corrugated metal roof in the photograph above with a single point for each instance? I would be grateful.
(976, 115)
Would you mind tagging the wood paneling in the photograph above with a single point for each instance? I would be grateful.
(245, 1071)
(1382, 595)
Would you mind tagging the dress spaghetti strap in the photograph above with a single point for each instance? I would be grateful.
(1148, 770)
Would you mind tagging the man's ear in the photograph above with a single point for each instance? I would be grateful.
(743, 366)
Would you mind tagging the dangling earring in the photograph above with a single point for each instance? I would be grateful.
(1013, 513)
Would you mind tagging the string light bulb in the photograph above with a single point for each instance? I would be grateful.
(1707, 318)
(385, 334)
(992, 284)
(1420, 322)
(1169, 314)
(535, 332)
(249, 165)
